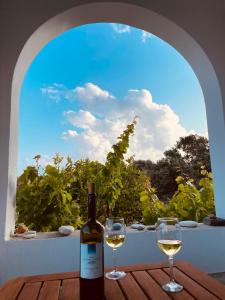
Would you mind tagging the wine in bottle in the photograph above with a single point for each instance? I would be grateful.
(92, 253)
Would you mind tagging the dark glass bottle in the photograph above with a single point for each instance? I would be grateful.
(92, 253)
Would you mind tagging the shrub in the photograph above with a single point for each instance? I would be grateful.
(43, 200)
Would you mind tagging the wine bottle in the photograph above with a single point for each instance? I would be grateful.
(92, 253)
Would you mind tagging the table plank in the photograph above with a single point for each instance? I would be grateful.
(141, 267)
(131, 289)
(194, 289)
(12, 288)
(162, 278)
(50, 290)
(151, 288)
(70, 289)
(30, 291)
(55, 276)
(203, 279)
(113, 291)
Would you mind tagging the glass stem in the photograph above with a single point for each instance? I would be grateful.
(171, 268)
(114, 259)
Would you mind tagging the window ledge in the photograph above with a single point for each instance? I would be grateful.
(76, 233)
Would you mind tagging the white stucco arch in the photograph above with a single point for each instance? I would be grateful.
(27, 28)
(149, 21)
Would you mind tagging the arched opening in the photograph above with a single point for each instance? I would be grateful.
(146, 20)
(67, 86)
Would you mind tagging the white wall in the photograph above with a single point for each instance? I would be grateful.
(195, 28)
(203, 246)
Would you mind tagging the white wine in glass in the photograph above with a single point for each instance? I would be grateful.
(169, 247)
(115, 240)
(168, 233)
(115, 233)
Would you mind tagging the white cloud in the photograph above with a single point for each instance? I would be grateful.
(145, 35)
(204, 134)
(90, 92)
(54, 92)
(120, 28)
(82, 119)
(89, 95)
(102, 118)
(69, 134)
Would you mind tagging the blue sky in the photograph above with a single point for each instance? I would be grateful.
(88, 83)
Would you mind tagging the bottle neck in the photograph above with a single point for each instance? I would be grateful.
(91, 207)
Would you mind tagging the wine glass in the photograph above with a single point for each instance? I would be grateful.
(115, 231)
(168, 234)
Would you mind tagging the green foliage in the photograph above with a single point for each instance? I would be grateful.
(152, 207)
(43, 200)
(46, 201)
(184, 159)
(134, 182)
(206, 191)
(83, 172)
(57, 195)
(112, 172)
(188, 202)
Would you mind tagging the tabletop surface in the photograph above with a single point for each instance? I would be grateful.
(141, 282)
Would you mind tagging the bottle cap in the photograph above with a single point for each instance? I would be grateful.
(91, 188)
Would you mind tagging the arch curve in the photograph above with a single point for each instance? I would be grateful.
(147, 20)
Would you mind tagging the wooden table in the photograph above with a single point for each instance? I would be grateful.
(142, 282)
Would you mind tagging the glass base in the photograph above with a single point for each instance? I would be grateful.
(115, 275)
(172, 287)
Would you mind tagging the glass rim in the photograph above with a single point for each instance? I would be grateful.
(168, 219)
(115, 218)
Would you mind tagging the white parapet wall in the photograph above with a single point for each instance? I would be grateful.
(203, 246)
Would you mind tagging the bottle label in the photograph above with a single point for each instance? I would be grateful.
(91, 260)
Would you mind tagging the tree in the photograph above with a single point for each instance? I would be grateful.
(195, 153)
(184, 159)
(187, 203)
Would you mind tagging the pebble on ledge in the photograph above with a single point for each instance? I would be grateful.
(188, 223)
(66, 229)
(138, 226)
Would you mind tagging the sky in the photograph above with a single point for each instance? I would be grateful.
(86, 85)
